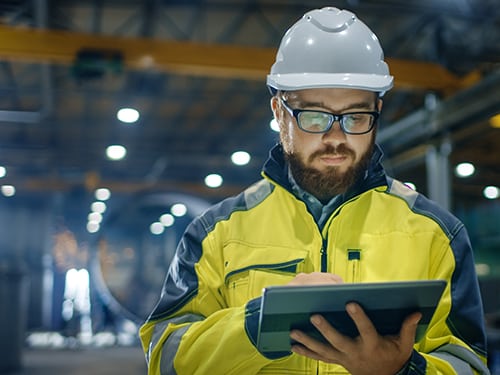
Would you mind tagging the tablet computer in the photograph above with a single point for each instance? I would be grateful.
(387, 304)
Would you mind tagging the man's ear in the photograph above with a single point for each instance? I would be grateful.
(380, 104)
(275, 106)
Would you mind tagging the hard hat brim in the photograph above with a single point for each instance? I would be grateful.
(301, 81)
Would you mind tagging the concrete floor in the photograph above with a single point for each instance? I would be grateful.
(83, 361)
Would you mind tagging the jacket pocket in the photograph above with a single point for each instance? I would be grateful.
(248, 270)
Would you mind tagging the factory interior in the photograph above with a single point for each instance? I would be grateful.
(121, 121)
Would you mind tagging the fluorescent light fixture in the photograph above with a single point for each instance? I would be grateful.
(465, 169)
(167, 220)
(116, 152)
(128, 115)
(240, 158)
(98, 206)
(102, 194)
(95, 216)
(273, 124)
(8, 190)
(156, 228)
(93, 226)
(491, 192)
(178, 209)
(213, 180)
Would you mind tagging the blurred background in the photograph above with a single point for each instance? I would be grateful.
(120, 121)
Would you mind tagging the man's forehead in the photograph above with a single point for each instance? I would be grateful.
(325, 93)
(335, 98)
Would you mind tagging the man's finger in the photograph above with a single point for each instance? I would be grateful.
(364, 325)
(409, 329)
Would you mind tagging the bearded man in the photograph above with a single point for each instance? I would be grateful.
(325, 212)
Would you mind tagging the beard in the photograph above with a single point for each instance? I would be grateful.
(324, 185)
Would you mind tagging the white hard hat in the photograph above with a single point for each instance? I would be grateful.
(327, 48)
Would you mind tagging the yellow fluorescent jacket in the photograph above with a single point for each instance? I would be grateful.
(206, 319)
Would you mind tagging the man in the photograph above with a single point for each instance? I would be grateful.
(324, 195)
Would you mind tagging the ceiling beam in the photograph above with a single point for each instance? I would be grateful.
(209, 60)
(462, 110)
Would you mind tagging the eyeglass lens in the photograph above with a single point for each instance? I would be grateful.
(317, 122)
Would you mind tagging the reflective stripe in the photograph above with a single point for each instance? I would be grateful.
(461, 359)
(400, 190)
(257, 193)
(170, 350)
(171, 345)
(460, 367)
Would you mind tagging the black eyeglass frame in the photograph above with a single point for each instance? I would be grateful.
(333, 117)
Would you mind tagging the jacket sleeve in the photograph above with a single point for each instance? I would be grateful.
(456, 343)
(191, 330)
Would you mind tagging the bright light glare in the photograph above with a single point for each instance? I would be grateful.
(495, 121)
(156, 228)
(3, 171)
(213, 180)
(167, 220)
(8, 190)
(102, 194)
(116, 152)
(411, 185)
(98, 207)
(482, 269)
(240, 158)
(95, 216)
(178, 209)
(273, 124)
(465, 169)
(93, 226)
(491, 192)
(127, 115)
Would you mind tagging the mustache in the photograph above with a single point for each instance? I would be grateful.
(341, 149)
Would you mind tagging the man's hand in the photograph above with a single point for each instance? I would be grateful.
(316, 278)
(369, 353)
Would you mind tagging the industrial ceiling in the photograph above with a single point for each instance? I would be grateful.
(196, 72)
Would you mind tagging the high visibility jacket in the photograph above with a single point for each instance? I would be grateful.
(207, 317)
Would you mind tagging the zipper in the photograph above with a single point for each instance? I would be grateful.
(353, 259)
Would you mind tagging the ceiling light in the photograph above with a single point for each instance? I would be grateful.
(156, 228)
(495, 121)
(116, 152)
(167, 220)
(8, 190)
(491, 192)
(3, 171)
(127, 115)
(95, 216)
(273, 124)
(465, 169)
(240, 158)
(482, 269)
(213, 180)
(93, 226)
(411, 185)
(178, 209)
(98, 207)
(102, 194)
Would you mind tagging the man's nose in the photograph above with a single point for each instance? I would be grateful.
(335, 135)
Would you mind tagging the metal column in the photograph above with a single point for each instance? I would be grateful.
(438, 173)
